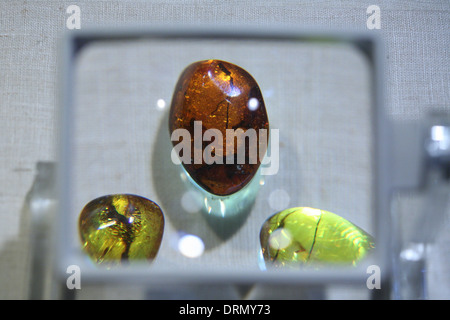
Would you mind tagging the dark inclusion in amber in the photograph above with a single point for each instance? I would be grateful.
(222, 96)
(120, 228)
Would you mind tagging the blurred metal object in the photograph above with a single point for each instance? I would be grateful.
(410, 251)
(437, 144)
(437, 178)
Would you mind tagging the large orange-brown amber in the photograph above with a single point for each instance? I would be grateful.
(214, 94)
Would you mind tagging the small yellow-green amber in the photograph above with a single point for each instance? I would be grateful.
(120, 228)
(303, 235)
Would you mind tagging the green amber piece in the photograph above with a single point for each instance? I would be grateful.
(299, 236)
(119, 228)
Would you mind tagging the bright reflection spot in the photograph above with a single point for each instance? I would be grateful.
(222, 208)
(107, 224)
(191, 246)
(438, 133)
(234, 92)
(440, 139)
(253, 104)
(40, 204)
(161, 104)
(413, 252)
(207, 206)
(280, 239)
(312, 212)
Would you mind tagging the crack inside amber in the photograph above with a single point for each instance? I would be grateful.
(119, 228)
(219, 95)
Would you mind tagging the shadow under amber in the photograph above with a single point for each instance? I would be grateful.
(170, 189)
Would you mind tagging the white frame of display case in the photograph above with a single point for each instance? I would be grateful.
(369, 42)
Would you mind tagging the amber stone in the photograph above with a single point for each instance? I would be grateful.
(120, 228)
(308, 236)
(221, 96)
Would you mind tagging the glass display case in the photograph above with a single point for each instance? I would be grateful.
(329, 150)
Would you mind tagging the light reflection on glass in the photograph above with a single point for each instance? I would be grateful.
(253, 104)
(191, 246)
(438, 133)
(279, 199)
(106, 225)
(207, 206)
(161, 104)
(222, 208)
(280, 238)
(414, 252)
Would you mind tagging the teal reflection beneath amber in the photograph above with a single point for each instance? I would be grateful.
(302, 235)
(223, 206)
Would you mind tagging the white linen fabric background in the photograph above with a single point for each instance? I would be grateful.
(417, 39)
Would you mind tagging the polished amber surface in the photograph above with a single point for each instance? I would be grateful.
(119, 228)
(222, 96)
(303, 235)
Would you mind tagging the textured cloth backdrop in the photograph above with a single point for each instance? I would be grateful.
(417, 81)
